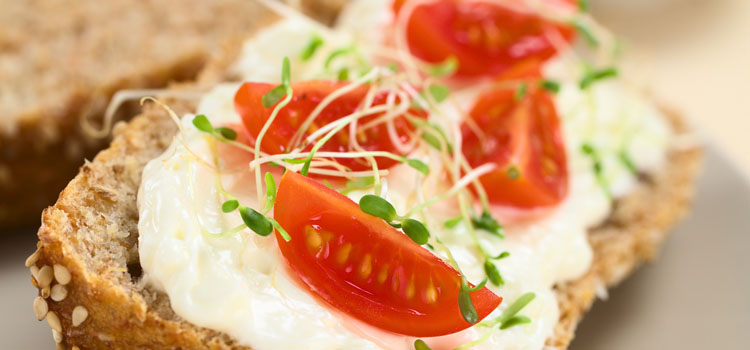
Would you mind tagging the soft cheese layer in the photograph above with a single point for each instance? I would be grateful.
(238, 284)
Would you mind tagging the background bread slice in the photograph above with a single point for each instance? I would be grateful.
(92, 233)
(62, 60)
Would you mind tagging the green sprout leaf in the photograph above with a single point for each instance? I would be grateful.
(432, 137)
(227, 133)
(514, 308)
(419, 344)
(434, 141)
(520, 92)
(274, 96)
(628, 162)
(360, 183)
(286, 72)
(270, 191)
(309, 51)
(596, 75)
(475, 288)
(335, 54)
(493, 273)
(230, 206)
(550, 85)
(416, 231)
(256, 221)
(419, 166)
(583, 5)
(515, 321)
(445, 68)
(588, 149)
(502, 255)
(306, 167)
(453, 222)
(513, 173)
(343, 74)
(488, 223)
(591, 152)
(282, 231)
(295, 161)
(468, 311)
(202, 123)
(277, 93)
(377, 206)
(439, 92)
(431, 140)
(591, 39)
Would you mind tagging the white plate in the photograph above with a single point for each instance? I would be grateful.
(696, 297)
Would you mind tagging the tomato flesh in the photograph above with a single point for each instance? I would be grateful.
(306, 97)
(485, 37)
(362, 266)
(524, 134)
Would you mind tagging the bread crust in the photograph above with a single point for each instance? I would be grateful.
(633, 234)
(96, 216)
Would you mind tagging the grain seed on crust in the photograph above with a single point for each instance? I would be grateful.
(57, 336)
(31, 260)
(45, 292)
(79, 315)
(40, 308)
(34, 273)
(58, 293)
(75, 348)
(62, 275)
(44, 276)
(54, 321)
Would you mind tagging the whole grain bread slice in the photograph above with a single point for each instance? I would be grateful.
(61, 61)
(91, 234)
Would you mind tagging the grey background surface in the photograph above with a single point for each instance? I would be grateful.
(697, 295)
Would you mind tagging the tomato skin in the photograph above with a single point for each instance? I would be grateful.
(486, 38)
(362, 266)
(525, 134)
(306, 97)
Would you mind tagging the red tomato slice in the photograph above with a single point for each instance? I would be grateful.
(362, 266)
(523, 134)
(307, 95)
(486, 38)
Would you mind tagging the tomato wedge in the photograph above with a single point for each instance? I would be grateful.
(306, 97)
(486, 38)
(524, 139)
(362, 266)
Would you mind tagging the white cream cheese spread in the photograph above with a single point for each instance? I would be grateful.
(238, 284)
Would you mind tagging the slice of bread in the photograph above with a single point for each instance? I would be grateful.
(88, 244)
(61, 61)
